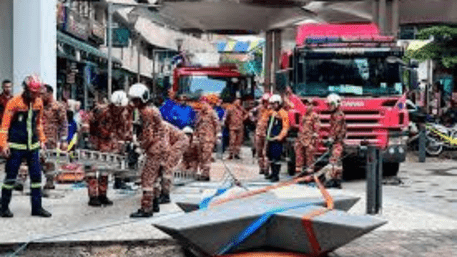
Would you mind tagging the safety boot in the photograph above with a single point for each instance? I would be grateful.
(155, 205)
(164, 198)
(141, 214)
(41, 213)
(94, 201)
(6, 213)
(275, 168)
(104, 200)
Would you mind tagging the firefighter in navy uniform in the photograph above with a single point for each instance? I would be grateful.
(278, 126)
(21, 136)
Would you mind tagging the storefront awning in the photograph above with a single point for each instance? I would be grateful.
(82, 46)
(238, 46)
(415, 45)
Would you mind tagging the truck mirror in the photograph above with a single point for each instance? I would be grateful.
(394, 60)
(413, 63)
(282, 81)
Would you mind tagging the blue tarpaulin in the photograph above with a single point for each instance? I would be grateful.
(178, 115)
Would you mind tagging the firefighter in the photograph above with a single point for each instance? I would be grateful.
(189, 162)
(236, 115)
(178, 143)
(263, 112)
(337, 134)
(55, 127)
(278, 126)
(153, 140)
(106, 127)
(5, 96)
(305, 145)
(206, 129)
(121, 120)
(21, 137)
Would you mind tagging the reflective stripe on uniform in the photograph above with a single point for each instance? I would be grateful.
(35, 185)
(35, 146)
(8, 187)
(29, 127)
(17, 146)
(23, 146)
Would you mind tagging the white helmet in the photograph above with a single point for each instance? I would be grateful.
(334, 99)
(275, 99)
(119, 98)
(188, 130)
(139, 90)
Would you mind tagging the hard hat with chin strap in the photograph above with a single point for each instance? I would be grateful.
(119, 98)
(275, 99)
(140, 91)
(188, 130)
(334, 99)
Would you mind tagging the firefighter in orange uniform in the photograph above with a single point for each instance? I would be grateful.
(154, 141)
(206, 129)
(236, 115)
(337, 134)
(189, 162)
(21, 136)
(278, 127)
(263, 112)
(55, 127)
(178, 144)
(306, 143)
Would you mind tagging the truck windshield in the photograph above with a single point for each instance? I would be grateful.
(357, 76)
(224, 87)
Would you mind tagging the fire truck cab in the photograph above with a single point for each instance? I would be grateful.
(365, 69)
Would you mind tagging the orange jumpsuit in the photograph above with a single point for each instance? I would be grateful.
(206, 130)
(235, 122)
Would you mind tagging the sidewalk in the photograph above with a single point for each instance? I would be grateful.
(410, 231)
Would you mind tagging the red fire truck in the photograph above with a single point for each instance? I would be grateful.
(224, 81)
(365, 69)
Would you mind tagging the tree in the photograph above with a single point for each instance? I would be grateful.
(442, 49)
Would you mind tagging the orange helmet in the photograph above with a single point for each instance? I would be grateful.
(33, 83)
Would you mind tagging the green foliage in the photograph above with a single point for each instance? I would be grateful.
(443, 48)
(443, 32)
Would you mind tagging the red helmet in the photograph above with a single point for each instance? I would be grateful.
(204, 99)
(33, 83)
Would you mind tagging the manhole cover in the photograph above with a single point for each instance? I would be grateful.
(420, 191)
(438, 196)
(452, 189)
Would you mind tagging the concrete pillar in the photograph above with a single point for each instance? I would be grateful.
(395, 18)
(374, 10)
(382, 16)
(268, 59)
(6, 40)
(34, 41)
(276, 54)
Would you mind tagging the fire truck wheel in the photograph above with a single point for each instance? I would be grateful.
(390, 169)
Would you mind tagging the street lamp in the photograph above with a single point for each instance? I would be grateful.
(111, 9)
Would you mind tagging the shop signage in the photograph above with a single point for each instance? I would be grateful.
(77, 25)
(121, 37)
(97, 32)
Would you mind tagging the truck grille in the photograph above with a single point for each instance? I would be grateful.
(361, 126)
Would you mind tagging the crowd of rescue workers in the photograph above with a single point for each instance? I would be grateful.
(34, 121)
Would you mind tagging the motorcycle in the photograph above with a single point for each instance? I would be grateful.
(440, 137)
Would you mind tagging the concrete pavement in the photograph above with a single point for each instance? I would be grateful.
(421, 213)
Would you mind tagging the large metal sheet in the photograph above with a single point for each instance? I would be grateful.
(210, 230)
